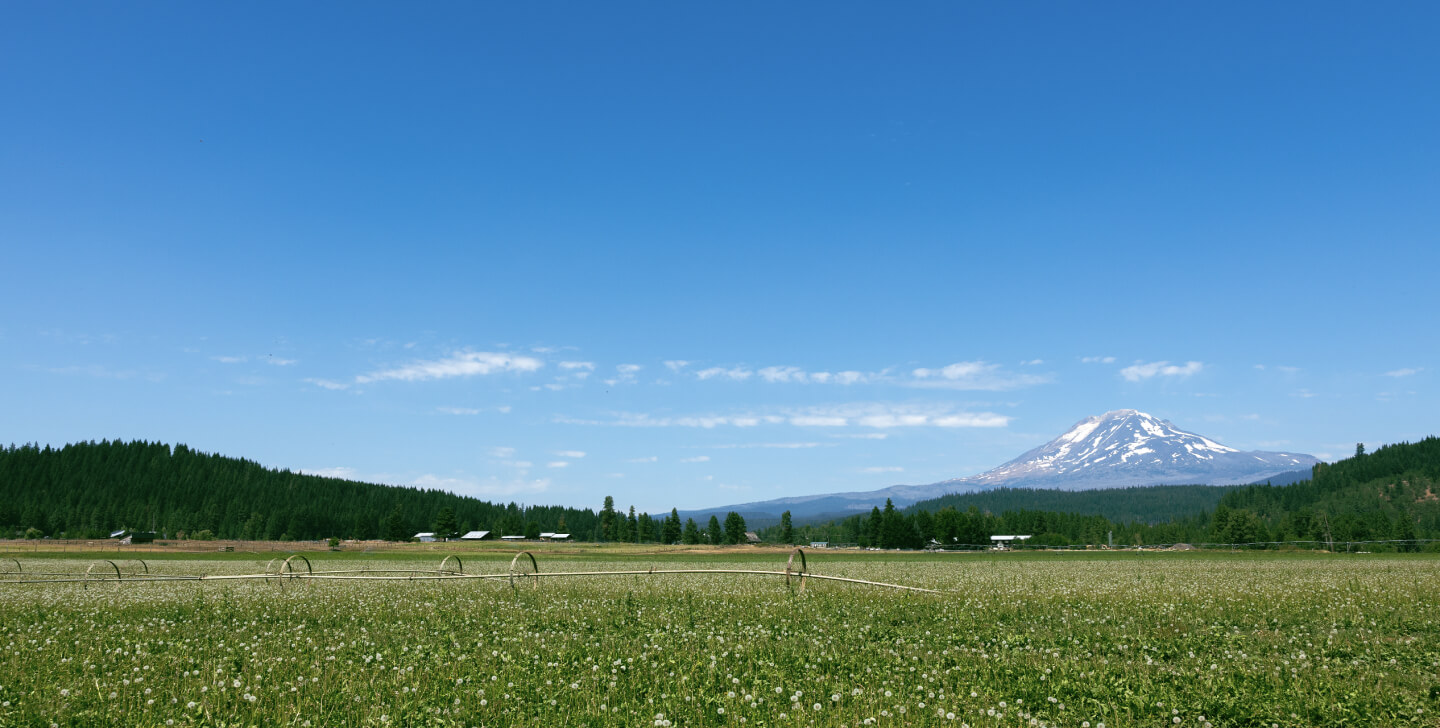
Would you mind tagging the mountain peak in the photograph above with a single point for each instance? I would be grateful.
(1118, 449)
(1129, 447)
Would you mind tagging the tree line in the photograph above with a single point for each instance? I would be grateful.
(88, 489)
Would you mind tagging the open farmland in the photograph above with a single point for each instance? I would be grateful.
(1014, 640)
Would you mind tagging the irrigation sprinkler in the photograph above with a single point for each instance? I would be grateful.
(523, 566)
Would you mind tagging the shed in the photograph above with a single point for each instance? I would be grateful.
(1002, 543)
(819, 544)
(512, 538)
(752, 537)
(552, 536)
(424, 536)
(475, 535)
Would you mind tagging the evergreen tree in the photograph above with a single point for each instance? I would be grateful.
(734, 528)
(622, 528)
(395, 529)
(607, 520)
(691, 534)
(872, 536)
(634, 530)
(787, 531)
(671, 528)
(713, 532)
(445, 525)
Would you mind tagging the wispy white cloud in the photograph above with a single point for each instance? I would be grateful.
(625, 374)
(1408, 372)
(482, 486)
(772, 445)
(340, 472)
(871, 415)
(458, 410)
(648, 459)
(884, 469)
(230, 359)
(574, 454)
(788, 374)
(1137, 372)
(1097, 360)
(676, 365)
(1032, 363)
(276, 361)
(863, 436)
(558, 464)
(502, 452)
(696, 459)
(737, 374)
(819, 421)
(571, 365)
(102, 372)
(459, 364)
(974, 375)
(326, 383)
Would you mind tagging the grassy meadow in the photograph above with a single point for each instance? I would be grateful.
(1085, 640)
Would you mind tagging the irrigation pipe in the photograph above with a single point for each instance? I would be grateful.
(287, 572)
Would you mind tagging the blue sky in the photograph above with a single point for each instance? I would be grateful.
(693, 255)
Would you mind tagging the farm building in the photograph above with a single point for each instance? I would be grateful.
(552, 536)
(819, 544)
(128, 537)
(512, 538)
(1002, 543)
(475, 535)
(752, 537)
(424, 537)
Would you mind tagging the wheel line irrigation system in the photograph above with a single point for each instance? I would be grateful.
(298, 568)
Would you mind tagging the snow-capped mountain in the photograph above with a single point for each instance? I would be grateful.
(1126, 447)
(1118, 449)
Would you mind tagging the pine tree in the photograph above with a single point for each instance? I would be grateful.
(671, 528)
(607, 520)
(716, 536)
(787, 531)
(734, 528)
(445, 525)
(395, 529)
(691, 534)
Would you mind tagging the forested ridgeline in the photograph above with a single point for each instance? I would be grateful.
(88, 489)
(1390, 494)
(1148, 504)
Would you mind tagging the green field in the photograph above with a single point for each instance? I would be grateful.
(1014, 640)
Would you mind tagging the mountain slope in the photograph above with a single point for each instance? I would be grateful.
(1119, 449)
(1125, 448)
